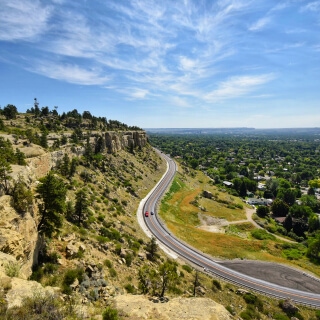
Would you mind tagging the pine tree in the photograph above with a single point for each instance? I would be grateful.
(82, 205)
(52, 193)
(5, 170)
(152, 249)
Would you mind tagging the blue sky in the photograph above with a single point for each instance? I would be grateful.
(168, 63)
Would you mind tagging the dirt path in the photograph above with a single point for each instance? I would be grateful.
(249, 213)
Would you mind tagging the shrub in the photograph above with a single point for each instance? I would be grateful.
(128, 259)
(50, 268)
(12, 269)
(280, 316)
(37, 274)
(261, 234)
(230, 309)
(293, 254)
(70, 276)
(130, 288)
(108, 263)
(250, 313)
(216, 284)
(254, 301)
(110, 314)
(112, 272)
(102, 239)
(41, 306)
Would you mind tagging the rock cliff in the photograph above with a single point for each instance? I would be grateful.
(18, 238)
(116, 141)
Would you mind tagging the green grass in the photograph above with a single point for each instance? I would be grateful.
(240, 241)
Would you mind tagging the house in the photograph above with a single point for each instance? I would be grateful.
(259, 201)
(228, 183)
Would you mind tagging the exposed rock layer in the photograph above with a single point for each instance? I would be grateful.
(139, 307)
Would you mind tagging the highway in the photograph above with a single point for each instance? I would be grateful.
(207, 264)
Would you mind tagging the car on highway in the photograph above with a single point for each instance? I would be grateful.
(152, 213)
(146, 214)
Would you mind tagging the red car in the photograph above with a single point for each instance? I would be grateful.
(146, 214)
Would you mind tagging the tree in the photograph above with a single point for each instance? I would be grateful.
(73, 166)
(2, 126)
(52, 194)
(20, 157)
(144, 279)
(287, 195)
(10, 111)
(310, 201)
(88, 152)
(311, 192)
(44, 140)
(300, 211)
(196, 283)
(65, 165)
(5, 170)
(168, 275)
(314, 183)
(287, 223)
(21, 196)
(279, 208)
(262, 211)
(313, 251)
(299, 227)
(44, 111)
(152, 249)
(243, 189)
(313, 222)
(82, 205)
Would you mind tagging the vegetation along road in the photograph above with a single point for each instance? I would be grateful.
(249, 278)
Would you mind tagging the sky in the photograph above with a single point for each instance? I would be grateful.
(165, 63)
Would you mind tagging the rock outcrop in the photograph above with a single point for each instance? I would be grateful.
(21, 289)
(18, 236)
(116, 141)
(139, 307)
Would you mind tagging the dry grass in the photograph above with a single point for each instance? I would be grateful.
(181, 217)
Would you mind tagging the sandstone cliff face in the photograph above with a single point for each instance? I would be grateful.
(18, 237)
(116, 141)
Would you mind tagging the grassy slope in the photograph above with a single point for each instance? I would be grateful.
(181, 217)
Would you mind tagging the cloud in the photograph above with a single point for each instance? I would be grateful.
(70, 73)
(237, 86)
(260, 24)
(180, 102)
(312, 6)
(187, 64)
(23, 20)
(139, 93)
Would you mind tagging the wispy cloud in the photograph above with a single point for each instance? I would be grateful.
(237, 86)
(312, 6)
(23, 20)
(260, 24)
(70, 73)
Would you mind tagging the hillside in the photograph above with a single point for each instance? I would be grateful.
(91, 256)
(107, 168)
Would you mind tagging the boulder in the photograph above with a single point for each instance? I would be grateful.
(71, 250)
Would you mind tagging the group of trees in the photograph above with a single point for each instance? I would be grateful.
(294, 157)
(286, 163)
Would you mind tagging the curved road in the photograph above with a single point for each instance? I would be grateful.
(201, 260)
